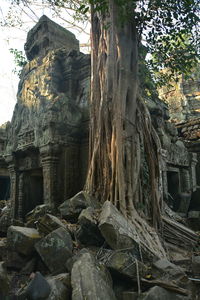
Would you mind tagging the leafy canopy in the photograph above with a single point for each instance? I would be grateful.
(170, 30)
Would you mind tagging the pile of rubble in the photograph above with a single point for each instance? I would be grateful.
(84, 252)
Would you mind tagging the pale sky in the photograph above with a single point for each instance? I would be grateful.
(15, 38)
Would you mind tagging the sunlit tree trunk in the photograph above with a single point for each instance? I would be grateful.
(119, 122)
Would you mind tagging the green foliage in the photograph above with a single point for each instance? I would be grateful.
(172, 38)
(19, 59)
(146, 78)
(170, 29)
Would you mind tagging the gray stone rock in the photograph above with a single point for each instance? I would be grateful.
(159, 293)
(70, 262)
(60, 287)
(4, 282)
(3, 248)
(71, 208)
(55, 249)
(36, 213)
(48, 223)
(89, 233)
(129, 295)
(118, 232)
(37, 289)
(166, 266)
(22, 239)
(194, 219)
(5, 221)
(124, 264)
(196, 265)
(29, 266)
(14, 260)
(89, 281)
(194, 214)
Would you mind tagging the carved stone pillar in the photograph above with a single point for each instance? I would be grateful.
(49, 161)
(20, 196)
(194, 161)
(13, 191)
(186, 182)
(164, 172)
(50, 185)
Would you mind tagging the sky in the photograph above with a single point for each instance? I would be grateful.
(9, 81)
(15, 37)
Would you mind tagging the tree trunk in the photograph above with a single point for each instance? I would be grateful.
(120, 123)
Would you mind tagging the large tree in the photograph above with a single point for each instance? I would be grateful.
(120, 123)
(121, 132)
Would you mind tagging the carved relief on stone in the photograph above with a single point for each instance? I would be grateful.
(20, 196)
(26, 139)
(13, 190)
(50, 179)
(29, 162)
(178, 156)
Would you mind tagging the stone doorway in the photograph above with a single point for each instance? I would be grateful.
(4, 187)
(32, 190)
(173, 183)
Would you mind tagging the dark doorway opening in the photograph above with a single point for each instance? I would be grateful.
(4, 187)
(173, 189)
(33, 191)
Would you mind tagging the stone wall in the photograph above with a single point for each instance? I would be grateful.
(183, 97)
(46, 145)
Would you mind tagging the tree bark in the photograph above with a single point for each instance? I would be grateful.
(120, 123)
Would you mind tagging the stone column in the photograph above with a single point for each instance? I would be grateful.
(13, 190)
(50, 191)
(49, 161)
(194, 161)
(185, 181)
(20, 197)
(164, 173)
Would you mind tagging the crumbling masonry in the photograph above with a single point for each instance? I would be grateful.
(44, 150)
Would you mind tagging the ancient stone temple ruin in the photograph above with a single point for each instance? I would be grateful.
(43, 151)
(85, 249)
(183, 97)
(184, 105)
(178, 164)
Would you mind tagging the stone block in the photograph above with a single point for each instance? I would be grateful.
(159, 293)
(196, 265)
(166, 266)
(89, 280)
(89, 233)
(38, 212)
(55, 249)
(118, 232)
(194, 214)
(125, 264)
(129, 295)
(22, 239)
(3, 248)
(48, 223)
(60, 287)
(37, 289)
(5, 222)
(15, 260)
(4, 283)
(71, 208)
